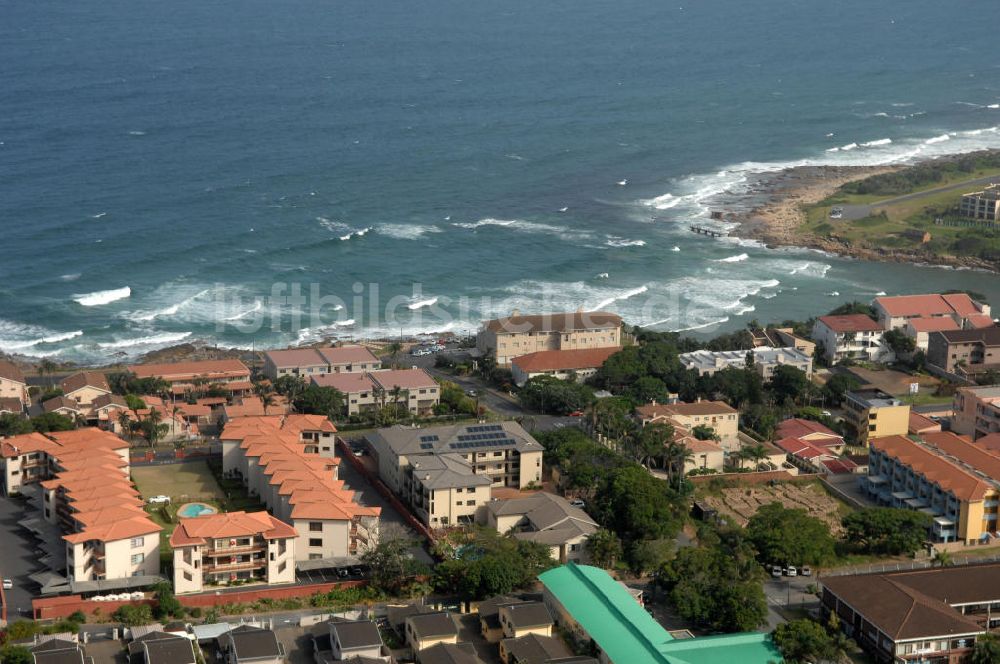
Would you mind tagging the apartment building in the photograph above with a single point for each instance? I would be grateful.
(288, 461)
(976, 411)
(513, 336)
(231, 375)
(446, 473)
(546, 519)
(12, 382)
(782, 337)
(928, 615)
(85, 387)
(852, 336)
(982, 205)
(765, 360)
(308, 362)
(561, 364)
(86, 492)
(894, 313)
(964, 352)
(719, 416)
(941, 474)
(875, 414)
(413, 389)
(219, 549)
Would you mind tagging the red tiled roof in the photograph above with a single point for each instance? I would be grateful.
(850, 323)
(337, 355)
(58, 403)
(933, 324)
(188, 370)
(934, 466)
(406, 379)
(919, 423)
(200, 529)
(348, 383)
(798, 427)
(559, 322)
(803, 449)
(980, 320)
(650, 411)
(296, 357)
(928, 305)
(25, 444)
(11, 405)
(83, 379)
(564, 360)
(11, 371)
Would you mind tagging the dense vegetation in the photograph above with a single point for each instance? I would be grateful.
(886, 531)
(804, 641)
(922, 175)
(789, 536)
(486, 564)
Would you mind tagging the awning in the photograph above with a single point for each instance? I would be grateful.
(902, 495)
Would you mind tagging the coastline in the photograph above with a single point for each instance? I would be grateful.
(776, 221)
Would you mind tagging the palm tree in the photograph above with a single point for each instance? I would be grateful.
(49, 367)
(755, 453)
(152, 426)
(126, 424)
(676, 456)
(942, 559)
(267, 400)
(394, 348)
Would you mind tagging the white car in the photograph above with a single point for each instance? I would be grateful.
(8, 584)
(158, 500)
(577, 503)
(791, 571)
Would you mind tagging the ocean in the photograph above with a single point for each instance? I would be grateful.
(258, 174)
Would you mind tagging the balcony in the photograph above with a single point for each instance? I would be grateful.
(233, 550)
(221, 568)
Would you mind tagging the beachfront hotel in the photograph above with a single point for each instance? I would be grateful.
(513, 336)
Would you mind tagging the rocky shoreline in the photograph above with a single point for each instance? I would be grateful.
(776, 221)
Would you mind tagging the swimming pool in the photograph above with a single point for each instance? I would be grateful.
(195, 509)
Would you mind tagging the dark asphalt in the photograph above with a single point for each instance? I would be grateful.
(18, 558)
(854, 212)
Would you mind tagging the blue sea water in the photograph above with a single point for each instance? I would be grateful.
(171, 171)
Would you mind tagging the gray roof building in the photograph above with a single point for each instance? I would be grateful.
(534, 649)
(247, 643)
(544, 518)
(449, 653)
(765, 359)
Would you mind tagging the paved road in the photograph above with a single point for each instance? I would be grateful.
(18, 559)
(854, 212)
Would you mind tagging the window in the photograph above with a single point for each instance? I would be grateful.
(282, 567)
(137, 558)
(470, 502)
(315, 526)
(137, 542)
(187, 576)
(315, 541)
(315, 556)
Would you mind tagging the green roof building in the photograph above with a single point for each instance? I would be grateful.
(594, 607)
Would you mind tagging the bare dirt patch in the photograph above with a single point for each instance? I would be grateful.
(741, 503)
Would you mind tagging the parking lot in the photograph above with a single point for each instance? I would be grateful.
(18, 559)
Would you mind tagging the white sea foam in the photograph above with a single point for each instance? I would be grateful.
(603, 275)
(849, 146)
(20, 346)
(664, 202)
(698, 326)
(993, 106)
(344, 323)
(257, 306)
(173, 309)
(531, 227)
(739, 258)
(405, 231)
(162, 339)
(99, 215)
(489, 221)
(136, 132)
(358, 233)
(98, 298)
(607, 302)
(876, 143)
(70, 277)
(430, 302)
(938, 139)
(624, 242)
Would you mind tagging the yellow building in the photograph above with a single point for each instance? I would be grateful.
(941, 474)
(516, 335)
(719, 416)
(875, 414)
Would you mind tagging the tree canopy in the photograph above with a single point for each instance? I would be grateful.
(804, 641)
(789, 536)
(548, 394)
(884, 530)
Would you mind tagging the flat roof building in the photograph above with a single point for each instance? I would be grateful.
(765, 360)
(513, 336)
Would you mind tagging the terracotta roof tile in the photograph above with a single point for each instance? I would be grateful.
(850, 323)
(200, 529)
(935, 467)
(188, 370)
(928, 305)
(564, 360)
(11, 371)
(558, 322)
(83, 379)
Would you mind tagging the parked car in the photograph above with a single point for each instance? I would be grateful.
(356, 571)
(805, 571)
(343, 573)
(791, 571)
(158, 500)
(470, 393)
(8, 584)
(576, 413)
(577, 503)
(776, 571)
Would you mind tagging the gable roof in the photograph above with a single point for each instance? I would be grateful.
(426, 625)
(937, 324)
(535, 649)
(654, 410)
(356, 634)
(295, 357)
(449, 653)
(200, 529)
(192, 369)
(850, 323)
(60, 403)
(83, 379)
(988, 336)
(10, 371)
(338, 355)
(798, 427)
(527, 614)
(934, 466)
(248, 642)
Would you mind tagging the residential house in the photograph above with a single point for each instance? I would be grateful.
(815, 432)
(521, 619)
(851, 336)
(718, 416)
(231, 375)
(504, 339)
(576, 364)
(59, 650)
(12, 382)
(489, 616)
(782, 337)
(350, 640)
(449, 653)
(62, 406)
(439, 471)
(976, 411)
(982, 205)
(875, 414)
(964, 352)
(600, 614)
(765, 360)
(921, 424)
(424, 630)
(161, 648)
(307, 362)
(927, 615)
(288, 462)
(533, 649)
(546, 519)
(218, 549)
(895, 312)
(247, 644)
(84, 387)
(920, 330)
(813, 457)
(941, 474)
(11, 405)
(412, 389)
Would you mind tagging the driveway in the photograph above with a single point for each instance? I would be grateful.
(854, 212)
(18, 558)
